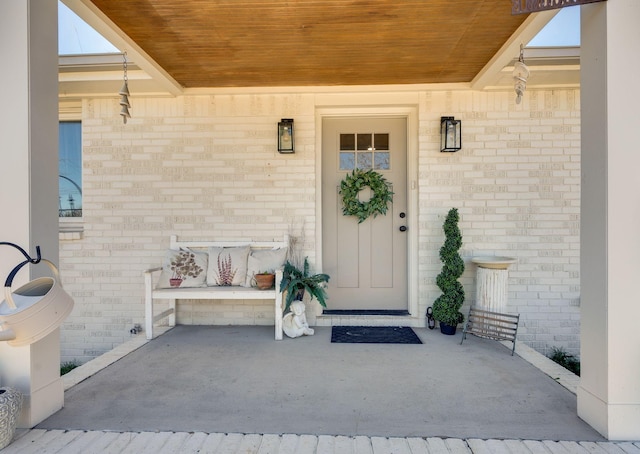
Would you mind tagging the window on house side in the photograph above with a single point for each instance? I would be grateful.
(70, 169)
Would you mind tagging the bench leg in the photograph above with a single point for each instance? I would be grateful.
(278, 304)
(278, 314)
(172, 316)
(148, 307)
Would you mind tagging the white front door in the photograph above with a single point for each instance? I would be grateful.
(367, 261)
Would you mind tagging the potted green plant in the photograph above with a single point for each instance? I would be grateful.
(296, 282)
(446, 308)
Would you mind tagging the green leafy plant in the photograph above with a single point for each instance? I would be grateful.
(354, 183)
(446, 308)
(566, 360)
(296, 282)
(68, 366)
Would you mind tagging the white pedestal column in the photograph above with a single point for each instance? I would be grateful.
(29, 185)
(492, 289)
(492, 282)
(34, 370)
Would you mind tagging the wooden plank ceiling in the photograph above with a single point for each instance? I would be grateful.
(257, 43)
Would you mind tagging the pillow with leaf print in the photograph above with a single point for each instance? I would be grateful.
(183, 268)
(227, 265)
(261, 260)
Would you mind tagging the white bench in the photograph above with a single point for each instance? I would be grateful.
(210, 293)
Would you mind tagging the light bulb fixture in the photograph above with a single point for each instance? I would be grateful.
(520, 76)
(285, 136)
(124, 92)
(450, 134)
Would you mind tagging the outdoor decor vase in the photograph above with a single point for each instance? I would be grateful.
(10, 407)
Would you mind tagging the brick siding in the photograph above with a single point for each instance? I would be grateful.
(206, 166)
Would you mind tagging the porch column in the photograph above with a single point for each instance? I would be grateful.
(609, 395)
(29, 185)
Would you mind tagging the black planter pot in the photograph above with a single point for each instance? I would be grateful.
(447, 329)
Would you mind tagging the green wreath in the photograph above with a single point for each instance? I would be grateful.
(353, 183)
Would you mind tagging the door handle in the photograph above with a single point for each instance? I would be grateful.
(403, 228)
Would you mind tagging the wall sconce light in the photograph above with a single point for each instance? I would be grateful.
(450, 134)
(285, 135)
(520, 76)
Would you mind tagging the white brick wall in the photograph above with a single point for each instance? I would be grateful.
(516, 183)
(207, 167)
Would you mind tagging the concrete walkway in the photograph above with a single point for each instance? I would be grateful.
(81, 442)
(63, 432)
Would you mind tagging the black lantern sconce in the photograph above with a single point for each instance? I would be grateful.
(285, 135)
(450, 134)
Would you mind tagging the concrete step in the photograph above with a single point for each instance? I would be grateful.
(90, 442)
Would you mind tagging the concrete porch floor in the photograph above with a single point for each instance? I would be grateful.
(234, 389)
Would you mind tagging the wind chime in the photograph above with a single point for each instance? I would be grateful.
(520, 76)
(124, 92)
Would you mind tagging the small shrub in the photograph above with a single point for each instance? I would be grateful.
(67, 367)
(566, 360)
(446, 308)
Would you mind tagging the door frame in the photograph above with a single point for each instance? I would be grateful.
(410, 113)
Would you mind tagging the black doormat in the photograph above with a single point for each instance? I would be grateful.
(364, 312)
(374, 335)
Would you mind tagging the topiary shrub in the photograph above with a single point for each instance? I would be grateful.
(446, 308)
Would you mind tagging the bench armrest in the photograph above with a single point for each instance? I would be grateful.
(152, 270)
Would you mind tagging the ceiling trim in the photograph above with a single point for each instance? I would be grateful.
(318, 89)
(511, 49)
(103, 25)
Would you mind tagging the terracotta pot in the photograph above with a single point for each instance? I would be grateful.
(264, 281)
(175, 282)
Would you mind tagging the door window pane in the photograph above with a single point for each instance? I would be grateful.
(364, 161)
(381, 141)
(370, 151)
(347, 161)
(364, 142)
(347, 141)
(381, 160)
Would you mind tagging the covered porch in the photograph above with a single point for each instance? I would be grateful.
(235, 379)
(232, 389)
(609, 399)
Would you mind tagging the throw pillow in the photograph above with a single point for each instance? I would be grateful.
(261, 260)
(227, 266)
(184, 268)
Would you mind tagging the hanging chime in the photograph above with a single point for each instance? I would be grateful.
(520, 76)
(124, 93)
